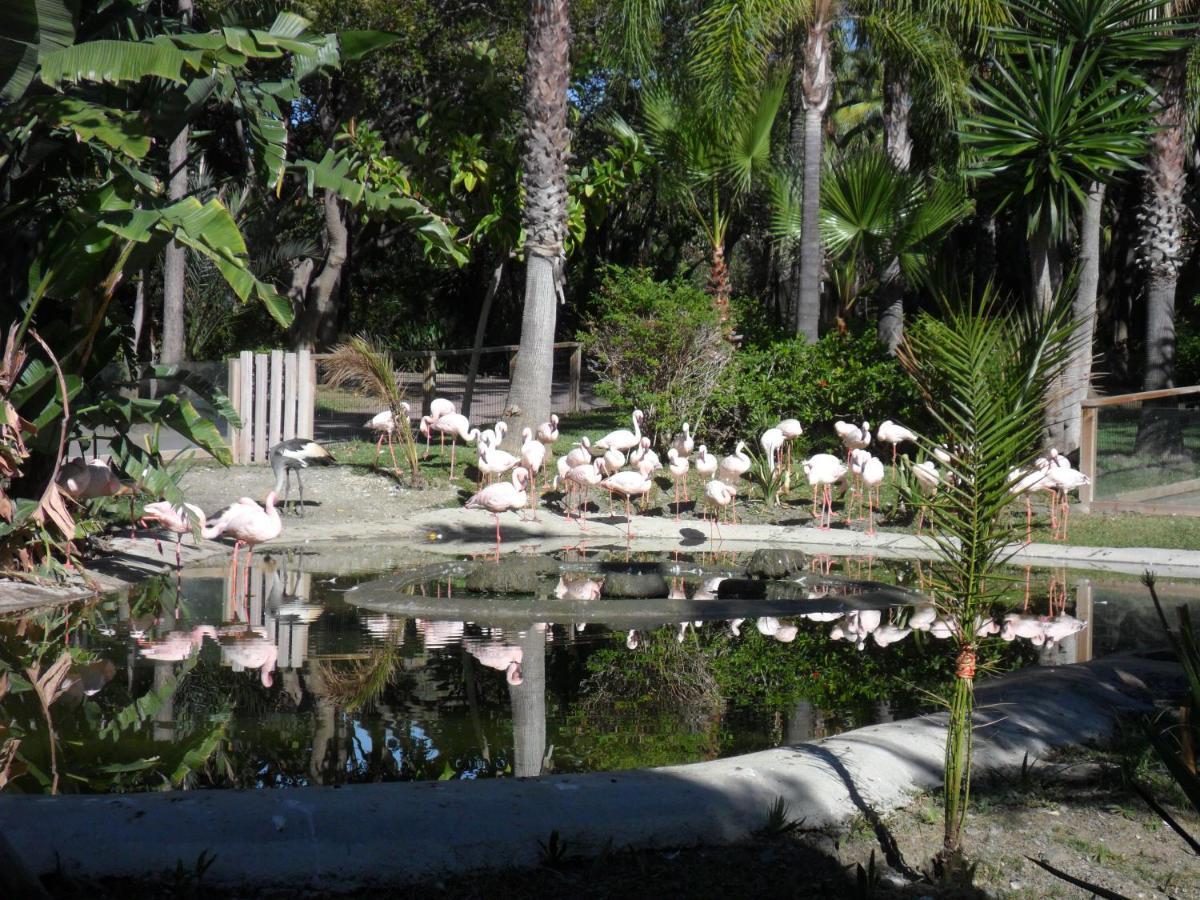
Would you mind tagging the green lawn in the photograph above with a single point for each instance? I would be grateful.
(1120, 470)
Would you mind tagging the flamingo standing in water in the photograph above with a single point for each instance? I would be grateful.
(387, 427)
(678, 467)
(502, 497)
(891, 433)
(824, 470)
(623, 439)
(176, 520)
(250, 525)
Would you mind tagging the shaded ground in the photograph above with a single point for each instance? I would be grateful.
(1074, 813)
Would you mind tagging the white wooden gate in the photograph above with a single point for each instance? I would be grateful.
(274, 395)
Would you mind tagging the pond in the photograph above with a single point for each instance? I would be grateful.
(295, 677)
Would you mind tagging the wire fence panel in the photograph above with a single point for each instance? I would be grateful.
(1145, 452)
(341, 413)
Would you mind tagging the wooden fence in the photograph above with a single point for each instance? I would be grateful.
(1152, 498)
(273, 394)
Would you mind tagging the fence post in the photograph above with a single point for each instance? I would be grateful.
(576, 371)
(1089, 421)
(276, 398)
(260, 407)
(233, 389)
(306, 394)
(289, 396)
(246, 389)
(429, 384)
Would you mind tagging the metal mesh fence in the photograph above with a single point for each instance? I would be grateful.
(342, 413)
(1147, 455)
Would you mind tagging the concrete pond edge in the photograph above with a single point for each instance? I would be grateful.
(341, 838)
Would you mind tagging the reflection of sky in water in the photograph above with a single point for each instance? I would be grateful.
(446, 708)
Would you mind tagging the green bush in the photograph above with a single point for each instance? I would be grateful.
(1187, 353)
(841, 376)
(656, 346)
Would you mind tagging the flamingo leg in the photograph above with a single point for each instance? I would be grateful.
(496, 516)
(1028, 519)
(392, 451)
(453, 447)
(628, 518)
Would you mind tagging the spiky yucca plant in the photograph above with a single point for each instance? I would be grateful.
(365, 366)
(984, 370)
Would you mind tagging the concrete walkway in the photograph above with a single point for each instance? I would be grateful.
(343, 838)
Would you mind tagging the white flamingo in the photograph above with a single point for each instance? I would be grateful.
(581, 453)
(458, 428)
(547, 432)
(891, 433)
(628, 484)
(772, 441)
(533, 457)
(175, 519)
(678, 467)
(385, 425)
(493, 462)
(823, 471)
(1064, 479)
(928, 480)
(684, 442)
(852, 436)
(722, 495)
(872, 478)
(623, 439)
(737, 464)
(791, 430)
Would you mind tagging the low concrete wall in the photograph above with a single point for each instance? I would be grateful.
(339, 838)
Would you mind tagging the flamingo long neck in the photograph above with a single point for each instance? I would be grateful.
(637, 428)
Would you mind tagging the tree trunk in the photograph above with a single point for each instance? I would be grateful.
(790, 261)
(316, 325)
(897, 111)
(818, 86)
(1044, 264)
(544, 167)
(480, 332)
(175, 261)
(139, 314)
(718, 285)
(1162, 253)
(529, 705)
(1063, 412)
(174, 334)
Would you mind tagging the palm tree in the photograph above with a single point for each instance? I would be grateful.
(1127, 37)
(710, 157)
(544, 165)
(174, 347)
(884, 224)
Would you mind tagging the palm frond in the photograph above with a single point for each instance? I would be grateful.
(749, 152)
(366, 367)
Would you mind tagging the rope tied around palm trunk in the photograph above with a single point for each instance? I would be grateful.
(965, 665)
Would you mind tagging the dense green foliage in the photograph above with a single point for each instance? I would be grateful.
(842, 376)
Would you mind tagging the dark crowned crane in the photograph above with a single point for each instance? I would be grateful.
(292, 456)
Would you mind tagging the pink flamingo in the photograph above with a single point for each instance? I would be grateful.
(772, 441)
(678, 467)
(852, 436)
(928, 480)
(684, 442)
(175, 519)
(87, 479)
(737, 464)
(706, 464)
(583, 478)
(724, 496)
(1022, 484)
(385, 424)
(533, 458)
(581, 453)
(250, 525)
(824, 470)
(628, 484)
(547, 432)
(438, 407)
(502, 497)
(493, 462)
(1063, 478)
(502, 657)
(457, 427)
(791, 430)
(252, 650)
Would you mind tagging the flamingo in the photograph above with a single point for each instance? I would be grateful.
(772, 441)
(791, 430)
(248, 523)
(493, 435)
(824, 470)
(176, 520)
(87, 479)
(533, 457)
(502, 497)
(614, 461)
(1022, 483)
(581, 453)
(177, 645)
(722, 495)
(853, 437)
(385, 423)
(684, 442)
(736, 464)
(628, 484)
(578, 588)
(438, 407)
(928, 480)
(584, 478)
(547, 432)
(891, 433)
(502, 657)
(255, 651)
(623, 439)
(872, 477)
(1063, 478)
(706, 463)
(678, 467)
(455, 425)
(858, 459)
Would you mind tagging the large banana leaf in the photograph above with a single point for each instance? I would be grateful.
(32, 28)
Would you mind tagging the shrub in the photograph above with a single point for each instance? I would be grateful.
(655, 345)
(841, 376)
(1187, 353)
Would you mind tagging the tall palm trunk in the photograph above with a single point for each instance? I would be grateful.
(718, 282)
(1162, 253)
(1063, 411)
(1045, 264)
(790, 261)
(897, 111)
(529, 705)
(544, 166)
(817, 88)
(175, 257)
